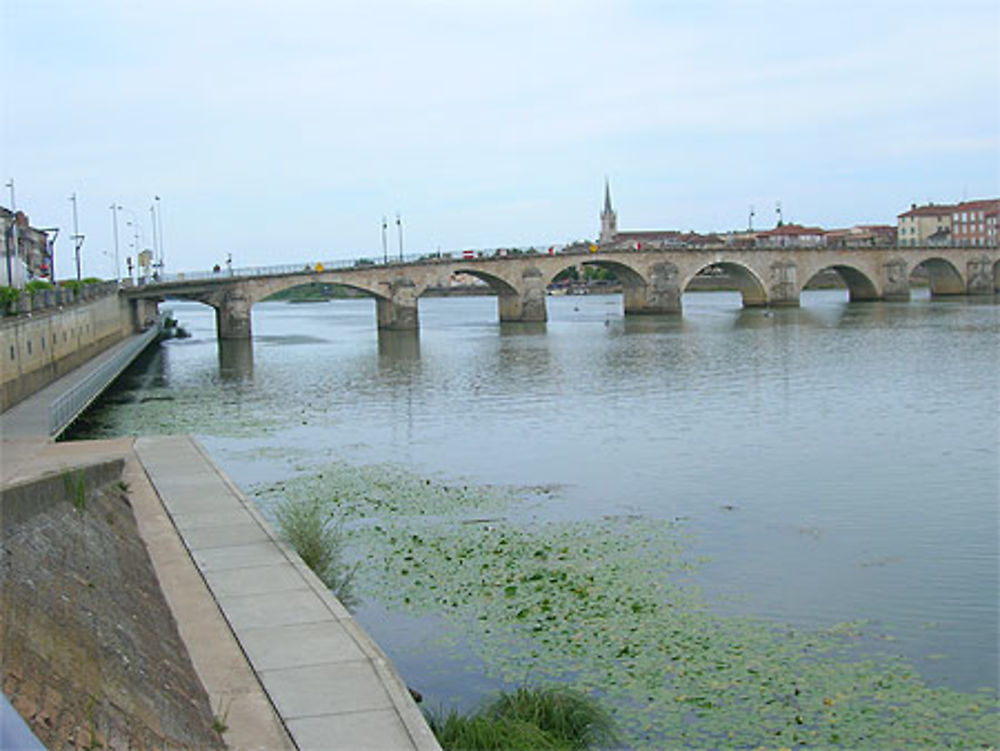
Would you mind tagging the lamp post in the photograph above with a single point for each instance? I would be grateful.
(136, 230)
(159, 225)
(399, 226)
(385, 248)
(12, 248)
(77, 238)
(114, 223)
(156, 252)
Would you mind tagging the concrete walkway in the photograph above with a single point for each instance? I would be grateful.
(330, 683)
(284, 664)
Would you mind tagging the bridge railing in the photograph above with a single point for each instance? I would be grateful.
(68, 406)
(224, 272)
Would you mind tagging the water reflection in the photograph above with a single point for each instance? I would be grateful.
(523, 328)
(235, 360)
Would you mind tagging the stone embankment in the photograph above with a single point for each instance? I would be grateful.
(91, 653)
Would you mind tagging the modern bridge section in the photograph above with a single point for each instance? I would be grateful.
(653, 281)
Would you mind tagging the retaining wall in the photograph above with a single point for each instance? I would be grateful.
(39, 346)
(90, 652)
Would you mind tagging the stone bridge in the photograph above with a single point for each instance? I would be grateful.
(652, 280)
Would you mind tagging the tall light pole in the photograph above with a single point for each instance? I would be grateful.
(12, 248)
(152, 221)
(159, 225)
(399, 226)
(77, 238)
(385, 247)
(114, 224)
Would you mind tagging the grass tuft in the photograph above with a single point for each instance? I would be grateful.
(528, 718)
(320, 543)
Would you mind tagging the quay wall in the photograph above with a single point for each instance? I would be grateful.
(43, 343)
(91, 653)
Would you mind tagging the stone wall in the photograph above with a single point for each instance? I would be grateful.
(91, 654)
(38, 348)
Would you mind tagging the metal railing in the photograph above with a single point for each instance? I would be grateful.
(225, 272)
(65, 409)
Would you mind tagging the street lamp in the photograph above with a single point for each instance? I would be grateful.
(385, 248)
(77, 238)
(12, 248)
(399, 226)
(114, 223)
(159, 225)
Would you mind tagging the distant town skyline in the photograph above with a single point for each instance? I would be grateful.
(288, 133)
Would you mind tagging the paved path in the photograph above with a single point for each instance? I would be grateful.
(30, 417)
(329, 682)
(280, 657)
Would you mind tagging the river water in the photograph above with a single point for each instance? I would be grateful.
(830, 463)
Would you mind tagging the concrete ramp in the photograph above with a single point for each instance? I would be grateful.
(328, 681)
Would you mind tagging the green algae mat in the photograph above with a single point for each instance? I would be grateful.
(606, 606)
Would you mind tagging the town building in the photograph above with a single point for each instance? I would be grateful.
(974, 223)
(788, 235)
(965, 224)
(31, 257)
(862, 236)
(916, 226)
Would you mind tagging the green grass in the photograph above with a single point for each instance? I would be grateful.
(528, 718)
(319, 542)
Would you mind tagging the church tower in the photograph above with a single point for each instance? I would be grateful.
(609, 219)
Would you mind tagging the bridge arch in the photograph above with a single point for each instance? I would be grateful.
(520, 295)
(751, 287)
(943, 276)
(497, 283)
(860, 286)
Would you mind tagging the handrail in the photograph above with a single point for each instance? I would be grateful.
(65, 409)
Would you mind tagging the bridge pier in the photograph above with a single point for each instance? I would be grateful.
(526, 304)
(896, 280)
(783, 291)
(232, 314)
(660, 295)
(979, 272)
(398, 310)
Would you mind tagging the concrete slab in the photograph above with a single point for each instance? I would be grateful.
(300, 645)
(254, 580)
(208, 518)
(274, 609)
(238, 556)
(328, 689)
(203, 538)
(360, 731)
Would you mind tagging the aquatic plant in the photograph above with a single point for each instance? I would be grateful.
(528, 718)
(605, 605)
(317, 539)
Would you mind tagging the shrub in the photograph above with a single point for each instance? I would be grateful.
(8, 298)
(320, 543)
(35, 285)
(528, 718)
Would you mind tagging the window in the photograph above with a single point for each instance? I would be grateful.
(12, 352)
(29, 348)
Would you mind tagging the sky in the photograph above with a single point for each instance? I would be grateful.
(283, 132)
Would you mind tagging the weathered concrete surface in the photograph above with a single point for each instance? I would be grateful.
(91, 654)
(38, 348)
(332, 686)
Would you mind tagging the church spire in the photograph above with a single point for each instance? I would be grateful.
(609, 220)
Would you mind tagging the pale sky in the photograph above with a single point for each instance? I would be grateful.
(282, 132)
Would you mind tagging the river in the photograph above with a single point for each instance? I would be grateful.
(835, 462)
